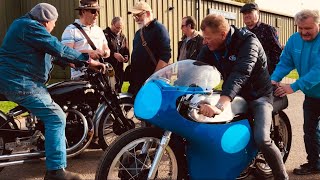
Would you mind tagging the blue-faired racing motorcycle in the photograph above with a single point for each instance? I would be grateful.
(183, 144)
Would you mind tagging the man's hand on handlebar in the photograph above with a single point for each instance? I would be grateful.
(97, 66)
(208, 110)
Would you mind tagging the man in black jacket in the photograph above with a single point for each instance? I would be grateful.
(239, 56)
(119, 51)
(267, 35)
(191, 43)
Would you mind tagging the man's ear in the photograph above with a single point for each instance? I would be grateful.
(223, 35)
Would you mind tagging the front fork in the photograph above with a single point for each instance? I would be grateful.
(160, 151)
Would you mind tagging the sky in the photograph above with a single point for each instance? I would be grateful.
(289, 7)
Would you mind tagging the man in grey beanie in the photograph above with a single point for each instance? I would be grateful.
(26, 66)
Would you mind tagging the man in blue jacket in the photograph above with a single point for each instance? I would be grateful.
(24, 69)
(302, 52)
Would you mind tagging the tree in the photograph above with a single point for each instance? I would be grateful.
(244, 1)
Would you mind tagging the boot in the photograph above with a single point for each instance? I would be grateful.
(61, 174)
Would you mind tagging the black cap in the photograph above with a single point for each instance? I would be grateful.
(249, 7)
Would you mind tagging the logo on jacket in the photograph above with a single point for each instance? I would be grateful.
(232, 58)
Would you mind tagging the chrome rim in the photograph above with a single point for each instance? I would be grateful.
(130, 163)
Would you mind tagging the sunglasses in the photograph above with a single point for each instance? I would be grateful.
(138, 15)
(93, 11)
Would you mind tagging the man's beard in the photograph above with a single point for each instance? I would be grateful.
(142, 24)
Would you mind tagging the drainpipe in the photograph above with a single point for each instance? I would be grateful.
(198, 14)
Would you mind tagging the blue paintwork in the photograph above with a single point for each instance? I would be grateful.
(214, 151)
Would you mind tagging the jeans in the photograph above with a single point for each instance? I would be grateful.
(40, 104)
(262, 113)
(311, 128)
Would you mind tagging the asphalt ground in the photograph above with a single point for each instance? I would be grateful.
(87, 163)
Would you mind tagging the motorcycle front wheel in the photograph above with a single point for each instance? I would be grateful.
(128, 157)
(108, 131)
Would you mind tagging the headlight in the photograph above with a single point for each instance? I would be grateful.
(148, 101)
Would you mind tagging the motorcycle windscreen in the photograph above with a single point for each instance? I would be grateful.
(177, 78)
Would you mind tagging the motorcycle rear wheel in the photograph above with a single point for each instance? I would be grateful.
(262, 169)
(3, 151)
(76, 134)
(108, 131)
(123, 158)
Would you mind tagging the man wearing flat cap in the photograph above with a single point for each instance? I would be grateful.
(154, 53)
(74, 38)
(26, 62)
(267, 35)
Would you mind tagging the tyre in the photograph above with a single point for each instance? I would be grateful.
(77, 136)
(262, 169)
(3, 151)
(108, 131)
(124, 159)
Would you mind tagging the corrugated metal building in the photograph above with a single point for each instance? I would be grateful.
(169, 12)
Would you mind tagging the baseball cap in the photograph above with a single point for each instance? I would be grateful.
(140, 6)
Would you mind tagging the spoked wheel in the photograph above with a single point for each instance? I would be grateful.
(108, 131)
(3, 151)
(131, 157)
(262, 169)
(77, 135)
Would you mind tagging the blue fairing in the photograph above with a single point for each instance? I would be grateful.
(214, 151)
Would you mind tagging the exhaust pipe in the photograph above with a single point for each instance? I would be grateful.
(17, 162)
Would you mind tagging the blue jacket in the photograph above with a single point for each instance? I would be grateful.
(305, 57)
(25, 60)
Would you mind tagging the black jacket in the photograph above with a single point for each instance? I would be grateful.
(268, 37)
(244, 69)
(119, 45)
(193, 46)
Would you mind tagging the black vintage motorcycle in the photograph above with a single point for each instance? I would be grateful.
(92, 106)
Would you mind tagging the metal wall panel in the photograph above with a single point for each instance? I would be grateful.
(286, 26)
(9, 10)
(168, 12)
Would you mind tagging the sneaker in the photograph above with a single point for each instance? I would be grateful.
(306, 169)
(61, 174)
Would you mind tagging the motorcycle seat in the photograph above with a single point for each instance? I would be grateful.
(3, 98)
(279, 103)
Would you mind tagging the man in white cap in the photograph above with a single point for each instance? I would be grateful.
(74, 38)
(145, 62)
(26, 67)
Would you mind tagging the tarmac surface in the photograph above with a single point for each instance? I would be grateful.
(87, 163)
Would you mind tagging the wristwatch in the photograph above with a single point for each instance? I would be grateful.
(220, 106)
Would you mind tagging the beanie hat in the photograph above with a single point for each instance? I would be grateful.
(44, 12)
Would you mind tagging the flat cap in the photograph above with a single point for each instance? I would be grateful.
(44, 12)
(249, 7)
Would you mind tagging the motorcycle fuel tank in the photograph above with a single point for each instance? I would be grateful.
(64, 90)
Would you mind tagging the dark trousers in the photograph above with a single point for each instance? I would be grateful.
(262, 113)
(311, 128)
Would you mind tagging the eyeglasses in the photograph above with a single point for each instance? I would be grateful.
(183, 25)
(138, 15)
(93, 11)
